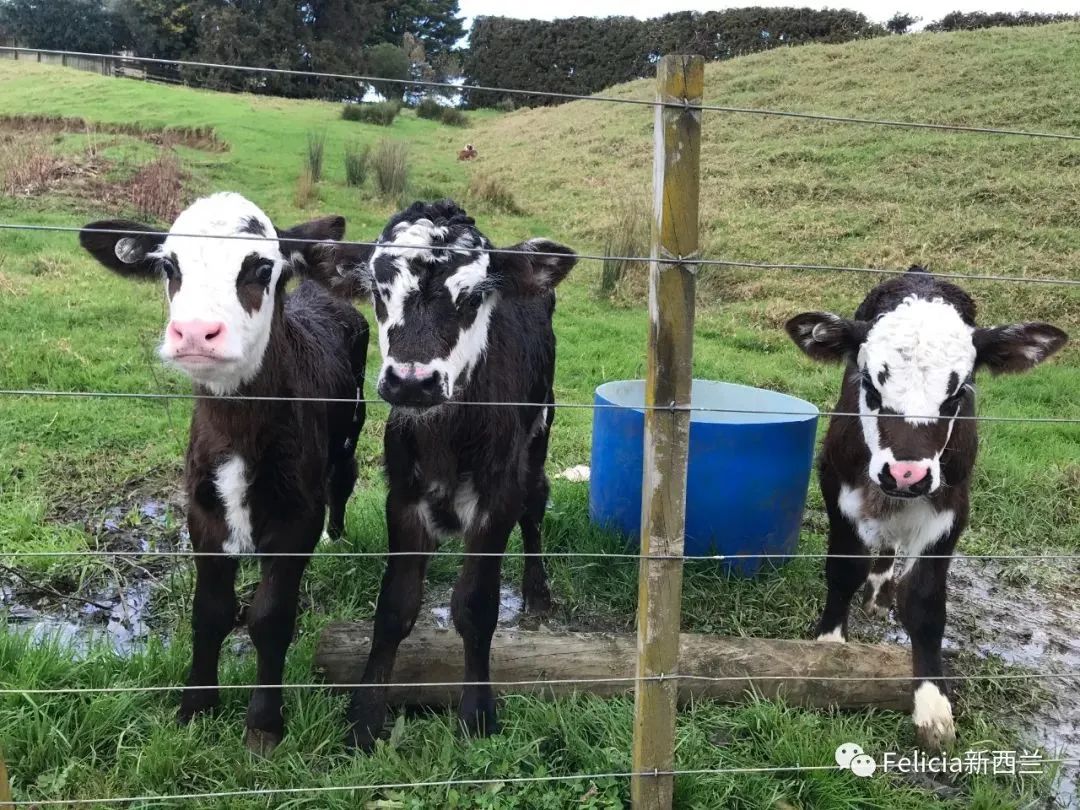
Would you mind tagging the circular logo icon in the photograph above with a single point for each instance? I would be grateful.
(847, 752)
(863, 765)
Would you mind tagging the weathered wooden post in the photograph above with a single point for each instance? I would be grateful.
(680, 82)
(5, 787)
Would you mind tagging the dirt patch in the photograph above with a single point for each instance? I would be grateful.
(992, 614)
(204, 138)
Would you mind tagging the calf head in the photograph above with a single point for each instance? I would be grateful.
(223, 293)
(912, 352)
(435, 290)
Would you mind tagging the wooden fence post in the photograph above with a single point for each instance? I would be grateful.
(5, 787)
(680, 81)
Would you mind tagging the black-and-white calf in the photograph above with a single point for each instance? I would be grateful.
(899, 485)
(458, 325)
(259, 474)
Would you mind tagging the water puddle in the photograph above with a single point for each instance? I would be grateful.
(511, 606)
(1024, 626)
(112, 608)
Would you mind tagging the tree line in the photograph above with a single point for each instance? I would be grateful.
(421, 39)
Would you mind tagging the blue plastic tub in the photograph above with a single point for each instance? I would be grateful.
(748, 472)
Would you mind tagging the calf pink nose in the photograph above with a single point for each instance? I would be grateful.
(413, 371)
(196, 334)
(906, 473)
(421, 372)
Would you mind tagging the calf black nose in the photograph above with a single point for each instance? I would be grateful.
(404, 386)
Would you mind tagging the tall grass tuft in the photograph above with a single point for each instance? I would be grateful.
(390, 163)
(493, 193)
(307, 190)
(628, 235)
(357, 160)
(316, 147)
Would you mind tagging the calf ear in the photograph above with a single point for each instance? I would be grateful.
(826, 337)
(1017, 347)
(535, 274)
(298, 238)
(344, 269)
(124, 253)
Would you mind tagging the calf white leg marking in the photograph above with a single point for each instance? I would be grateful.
(467, 506)
(232, 486)
(836, 634)
(933, 712)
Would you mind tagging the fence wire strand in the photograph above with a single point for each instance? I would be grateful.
(459, 88)
(485, 782)
(32, 392)
(694, 260)
(543, 682)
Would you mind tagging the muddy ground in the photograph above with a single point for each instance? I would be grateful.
(994, 612)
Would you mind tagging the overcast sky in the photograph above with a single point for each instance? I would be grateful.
(927, 9)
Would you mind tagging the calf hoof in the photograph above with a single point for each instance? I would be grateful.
(365, 727)
(537, 599)
(195, 703)
(479, 719)
(261, 742)
(933, 718)
(878, 601)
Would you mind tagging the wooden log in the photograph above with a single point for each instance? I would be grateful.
(814, 674)
(680, 81)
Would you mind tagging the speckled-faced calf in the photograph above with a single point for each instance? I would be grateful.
(899, 485)
(259, 473)
(458, 324)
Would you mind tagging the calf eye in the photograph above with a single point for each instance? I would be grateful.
(264, 272)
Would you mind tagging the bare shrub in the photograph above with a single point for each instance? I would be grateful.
(628, 235)
(29, 168)
(357, 160)
(494, 193)
(390, 162)
(157, 189)
(316, 147)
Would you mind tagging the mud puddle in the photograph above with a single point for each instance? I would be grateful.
(106, 603)
(993, 616)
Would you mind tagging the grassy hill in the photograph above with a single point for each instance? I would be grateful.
(772, 190)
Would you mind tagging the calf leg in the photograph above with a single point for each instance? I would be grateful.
(475, 611)
(271, 622)
(212, 618)
(920, 603)
(534, 583)
(879, 591)
(342, 480)
(395, 613)
(844, 573)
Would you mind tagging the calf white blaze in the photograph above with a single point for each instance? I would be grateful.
(914, 359)
(202, 285)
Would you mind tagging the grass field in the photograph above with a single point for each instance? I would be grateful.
(772, 190)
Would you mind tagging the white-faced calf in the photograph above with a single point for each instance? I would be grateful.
(259, 473)
(896, 478)
(458, 325)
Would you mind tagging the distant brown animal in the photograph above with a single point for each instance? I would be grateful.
(468, 153)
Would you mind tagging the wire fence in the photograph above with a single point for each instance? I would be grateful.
(672, 260)
(695, 261)
(511, 91)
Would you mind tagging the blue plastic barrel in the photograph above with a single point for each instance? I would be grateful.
(747, 476)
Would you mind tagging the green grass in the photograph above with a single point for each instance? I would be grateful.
(775, 190)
